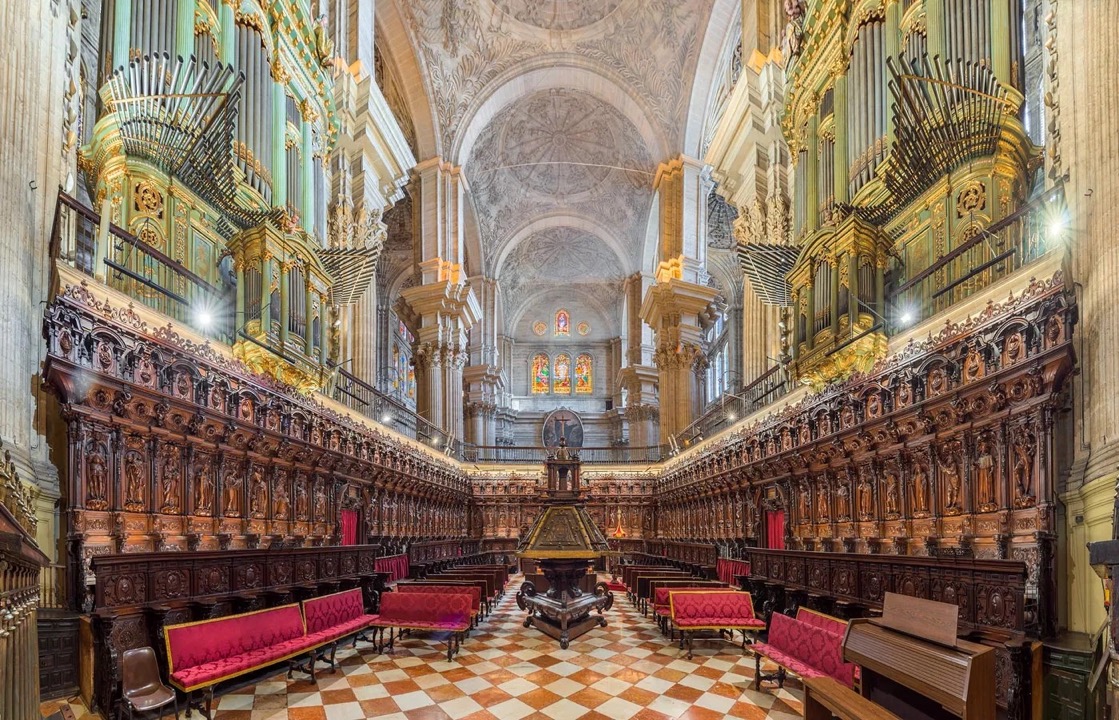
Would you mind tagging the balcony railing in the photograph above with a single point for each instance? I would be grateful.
(729, 409)
(992, 253)
(527, 454)
(136, 268)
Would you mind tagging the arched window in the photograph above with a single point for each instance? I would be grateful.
(540, 375)
(562, 375)
(584, 380)
(563, 322)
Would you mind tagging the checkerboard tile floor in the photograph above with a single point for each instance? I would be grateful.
(505, 671)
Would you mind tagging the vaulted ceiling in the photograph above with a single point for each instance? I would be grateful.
(559, 112)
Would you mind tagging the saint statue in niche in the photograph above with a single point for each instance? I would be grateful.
(171, 483)
(259, 497)
(232, 493)
(300, 500)
(134, 483)
(985, 475)
(95, 486)
(866, 500)
(203, 490)
(920, 491)
(1023, 469)
(320, 504)
(822, 502)
(842, 498)
(951, 471)
(891, 493)
(281, 498)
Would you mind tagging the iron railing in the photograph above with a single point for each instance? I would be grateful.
(135, 267)
(730, 408)
(991, 254)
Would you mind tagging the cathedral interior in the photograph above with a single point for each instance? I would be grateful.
(562, 340)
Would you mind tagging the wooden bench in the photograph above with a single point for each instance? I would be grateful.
(641, 585)
(803, 649)
(424, 611)
(492, 585)
(692, 611)
(473, 591)
(204, 653)
(480, 583)
(824, 699)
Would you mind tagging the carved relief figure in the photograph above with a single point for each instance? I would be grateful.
(842, 501)
(873, 406)
(134, 483)
(280, 494)
(300, 500)
(232, 485)
(1023, 469)
(246, 408)
(823, 424)
(973, 365)
(905, 395)
(258, 498)
(203, 491)
(938, 381)
(96, 478)
(804, 502)
(891, 493)
(822, 502)
(1015, 348)
(217, 400)
(145, 370)
(866, 499)
(182, 384)
(950, 468)
(170, 478)
(920, 491)
(985, 474)
(104, 355)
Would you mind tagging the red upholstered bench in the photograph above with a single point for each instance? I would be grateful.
(331, 618)
(425, 611)
(202, 654)
(693, 611)
(803, 649)
(825, 622)
(662, 612)
(473, 591)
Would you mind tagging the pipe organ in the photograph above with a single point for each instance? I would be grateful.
(903, 120)
(245, 176)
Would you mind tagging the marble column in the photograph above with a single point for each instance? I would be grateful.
(440, 311)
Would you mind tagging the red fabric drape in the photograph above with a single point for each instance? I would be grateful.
(395, 565)
(775, 529)
(727, 569)
(349, 527)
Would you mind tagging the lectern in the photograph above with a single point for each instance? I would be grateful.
(563, 541)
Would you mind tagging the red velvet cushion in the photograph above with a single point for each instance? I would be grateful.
(334, 609)
(194, 644)
(473, 591)
(710, 608)
(425, 610)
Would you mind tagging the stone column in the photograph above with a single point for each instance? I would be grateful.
(680, 305)
(442, 310)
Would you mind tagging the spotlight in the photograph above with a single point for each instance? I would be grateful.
(204, 319)
(732, 417)
(1056, 227)
(906, 318)
(386, 419)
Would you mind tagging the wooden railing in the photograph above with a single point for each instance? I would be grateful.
(526, 454)
(704, 554)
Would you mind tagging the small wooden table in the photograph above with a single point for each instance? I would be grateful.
(824, 698)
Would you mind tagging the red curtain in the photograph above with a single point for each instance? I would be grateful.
(349, 527)
(775, 529)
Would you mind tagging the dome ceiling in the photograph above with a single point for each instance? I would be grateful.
(559, 112)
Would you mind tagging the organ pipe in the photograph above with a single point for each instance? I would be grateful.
(826, 179)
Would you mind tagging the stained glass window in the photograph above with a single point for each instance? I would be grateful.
(563, 322)
(562, 382)
(584, 382)
(540, 374)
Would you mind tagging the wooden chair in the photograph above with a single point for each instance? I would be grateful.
(141, 688)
